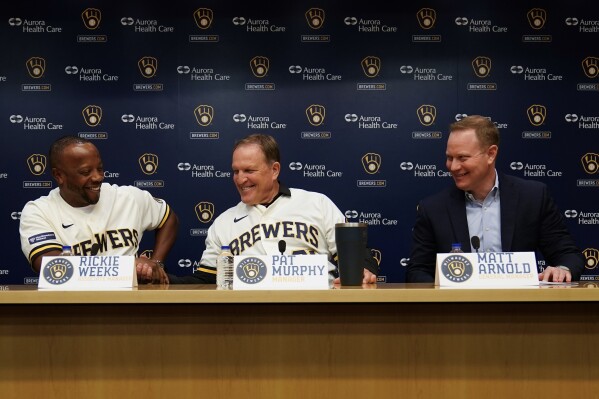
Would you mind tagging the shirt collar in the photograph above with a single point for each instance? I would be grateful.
(493, 192)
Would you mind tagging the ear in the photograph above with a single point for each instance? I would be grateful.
(276, 169)
(58, 176)
(492, 153)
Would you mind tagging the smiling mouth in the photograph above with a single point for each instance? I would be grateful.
(94, 189)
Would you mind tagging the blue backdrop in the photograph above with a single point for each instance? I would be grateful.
(359, 96)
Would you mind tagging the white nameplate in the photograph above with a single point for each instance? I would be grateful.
(486, 269)
(87, 272)
(281, 272)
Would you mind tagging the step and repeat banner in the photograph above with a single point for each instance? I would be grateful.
(359, 96)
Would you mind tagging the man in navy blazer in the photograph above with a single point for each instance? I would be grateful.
(506, 213)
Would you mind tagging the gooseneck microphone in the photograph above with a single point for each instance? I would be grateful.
(475, 241)
(282, 247)
(95, 249)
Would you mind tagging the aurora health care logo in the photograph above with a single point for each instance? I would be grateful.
(314, 170)
(583, 217)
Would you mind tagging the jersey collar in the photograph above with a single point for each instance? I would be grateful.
(283, 191)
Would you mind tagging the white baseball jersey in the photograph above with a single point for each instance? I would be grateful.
(116, 223)
(305, 221)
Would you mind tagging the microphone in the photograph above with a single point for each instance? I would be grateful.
(95, 249)
(282, 247)
(475, 241)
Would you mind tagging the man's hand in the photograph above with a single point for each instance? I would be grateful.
(369, 278)
(555, 274)
(148, 271)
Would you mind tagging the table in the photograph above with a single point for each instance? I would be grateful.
(392, 340)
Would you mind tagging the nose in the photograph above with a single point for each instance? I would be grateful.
(239, 177)
(453, 165)
(97, 176)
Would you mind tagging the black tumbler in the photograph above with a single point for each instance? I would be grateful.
(351, 239)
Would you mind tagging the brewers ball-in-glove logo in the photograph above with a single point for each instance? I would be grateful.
(203, 17)
(148, 66)
(92, 115)
(36, 66)
(481, 66)
(91, 18)
(591, 256)
(371, 162)
(376, 254)
(148, 163)
(259, 66)
(426, 18)
(590, 66)
(315, 114)
(456, 268)
(251, 270)
(315, 18)
(536, 114)
(426, 114)
(37, 164)
(590, 162)
(371, 66)
(204, 211)
(204, 114)
(58, 271)
(537, 18)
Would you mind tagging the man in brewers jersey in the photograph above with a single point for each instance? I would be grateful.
(270, 212)
(76, 214)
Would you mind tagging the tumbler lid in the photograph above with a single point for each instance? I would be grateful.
(351, 224)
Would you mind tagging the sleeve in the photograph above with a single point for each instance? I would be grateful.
(37, 235)
(555, 243)
(421, 267)
(154, 211)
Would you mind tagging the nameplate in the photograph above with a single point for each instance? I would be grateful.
(281, 272)
(64, 273)
(486, 269)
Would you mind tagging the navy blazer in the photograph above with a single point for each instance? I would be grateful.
(530, 221)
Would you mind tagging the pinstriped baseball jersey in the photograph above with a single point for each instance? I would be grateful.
(116, 223)
(305, 220)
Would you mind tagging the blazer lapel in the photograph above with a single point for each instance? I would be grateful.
(456, 207)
